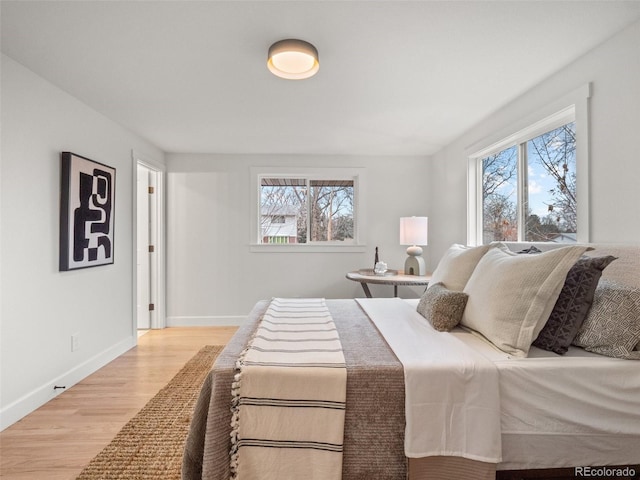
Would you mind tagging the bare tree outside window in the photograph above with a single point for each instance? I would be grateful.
(554, 155)
(549, 166)
(500, 196)
(331, 210)
(323, 207)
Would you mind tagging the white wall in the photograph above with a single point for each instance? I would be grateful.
(213, 277)
(613, 68)
(42, 307)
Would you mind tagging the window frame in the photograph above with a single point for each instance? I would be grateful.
(573, 107)
(355, 174)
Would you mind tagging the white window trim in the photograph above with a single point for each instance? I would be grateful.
(320, 173)
(573, 106)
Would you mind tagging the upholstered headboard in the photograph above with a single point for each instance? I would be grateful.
(626, 269)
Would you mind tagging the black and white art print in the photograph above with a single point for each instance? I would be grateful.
(87, 206)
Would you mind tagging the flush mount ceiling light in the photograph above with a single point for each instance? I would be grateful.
(293, 59)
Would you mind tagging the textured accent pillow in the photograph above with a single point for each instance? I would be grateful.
(442, 307)
(612, 327)
(511, 296)
(573, 304)
(457, 265)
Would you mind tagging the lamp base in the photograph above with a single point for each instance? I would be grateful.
(414, 265)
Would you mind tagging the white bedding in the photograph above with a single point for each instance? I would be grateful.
(452, 403)
(567, 410)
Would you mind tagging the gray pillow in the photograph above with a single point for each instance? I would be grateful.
(573, 304)
(442, 307)
(612, 327)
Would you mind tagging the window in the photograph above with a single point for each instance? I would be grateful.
(530, 181)
(305, 210)
(303, 207)
(529, 189)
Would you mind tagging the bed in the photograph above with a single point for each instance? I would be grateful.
(556, 412)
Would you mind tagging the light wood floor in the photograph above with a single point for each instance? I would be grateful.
(60, 438)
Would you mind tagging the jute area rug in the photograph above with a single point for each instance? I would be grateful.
(151, 444)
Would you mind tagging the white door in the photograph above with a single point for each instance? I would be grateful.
(143, 267)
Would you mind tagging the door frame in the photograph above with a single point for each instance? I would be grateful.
(157, 263)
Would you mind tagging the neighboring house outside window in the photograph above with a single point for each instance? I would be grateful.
(279, 225)
(307, 208)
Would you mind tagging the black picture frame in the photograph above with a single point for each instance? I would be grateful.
(87, 208)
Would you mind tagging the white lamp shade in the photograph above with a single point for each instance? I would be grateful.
(293, 59)
(414, 230)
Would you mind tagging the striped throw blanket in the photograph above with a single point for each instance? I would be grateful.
(289, 396)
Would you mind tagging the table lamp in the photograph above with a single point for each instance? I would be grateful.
(413, 232)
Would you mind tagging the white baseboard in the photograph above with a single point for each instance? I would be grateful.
(38, 397)
(206, 321)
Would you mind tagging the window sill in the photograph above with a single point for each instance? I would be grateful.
(302, 248)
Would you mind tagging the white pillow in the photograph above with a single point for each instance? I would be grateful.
(511, 296)
(457, 265)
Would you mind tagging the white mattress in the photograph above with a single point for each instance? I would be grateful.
(577, 409)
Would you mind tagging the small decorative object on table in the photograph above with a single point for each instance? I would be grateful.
(380, 268)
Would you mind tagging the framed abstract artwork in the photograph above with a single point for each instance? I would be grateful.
(87, 206)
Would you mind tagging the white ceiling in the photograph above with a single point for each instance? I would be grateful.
(396, 78)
